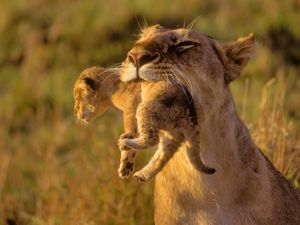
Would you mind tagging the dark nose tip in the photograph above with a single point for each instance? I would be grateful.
(140, 58)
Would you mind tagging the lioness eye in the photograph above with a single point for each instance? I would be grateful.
(183, 46)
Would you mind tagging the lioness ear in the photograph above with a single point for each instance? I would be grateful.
(237, 55)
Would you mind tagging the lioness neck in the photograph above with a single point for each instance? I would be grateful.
(240, 175)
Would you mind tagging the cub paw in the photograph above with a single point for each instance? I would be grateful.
(126, 169)
(126, 135)
(122, 143)
(128, 144)
(140, 176)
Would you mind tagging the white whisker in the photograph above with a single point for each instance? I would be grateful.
(181, 77)
(179, 85)
(111, 74)
(185, 82)
(191, 25)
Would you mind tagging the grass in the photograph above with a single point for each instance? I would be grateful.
(56, 171)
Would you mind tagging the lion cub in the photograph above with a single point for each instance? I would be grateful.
(158, 106)
(95, 91)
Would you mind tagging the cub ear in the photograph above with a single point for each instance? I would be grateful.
(91, 83)
(237, 55)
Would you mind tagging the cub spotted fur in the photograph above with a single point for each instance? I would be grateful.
(164, 106)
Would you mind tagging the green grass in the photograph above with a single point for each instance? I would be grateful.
(56, 171)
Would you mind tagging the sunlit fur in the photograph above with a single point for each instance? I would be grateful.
(97, 89)
(165, 107)
(246, 189)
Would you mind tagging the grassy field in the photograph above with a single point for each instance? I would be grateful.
(54, 170)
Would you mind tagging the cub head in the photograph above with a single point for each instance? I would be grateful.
(202, 64)
(91, 93)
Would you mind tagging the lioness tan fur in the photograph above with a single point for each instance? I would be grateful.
(246, 189)
(163, 106)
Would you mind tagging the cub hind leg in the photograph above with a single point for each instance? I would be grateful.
(127, 159)
(168, 145)
(126, 167)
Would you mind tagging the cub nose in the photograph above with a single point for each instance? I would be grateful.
(85, 113)
(82, 113)
(140, 58)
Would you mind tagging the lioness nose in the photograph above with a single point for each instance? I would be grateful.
(140, 58)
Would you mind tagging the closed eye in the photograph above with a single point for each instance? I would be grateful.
(185, 45)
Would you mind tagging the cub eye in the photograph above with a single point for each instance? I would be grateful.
(183, 46)
(91, 83)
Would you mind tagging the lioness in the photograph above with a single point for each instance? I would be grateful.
(247, 189)
(161, 106)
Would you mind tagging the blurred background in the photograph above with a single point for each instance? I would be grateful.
(56, 171)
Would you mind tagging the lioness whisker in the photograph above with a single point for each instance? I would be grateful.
(180, 85)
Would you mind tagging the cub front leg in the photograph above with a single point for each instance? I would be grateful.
(168, 145)
(147, 128)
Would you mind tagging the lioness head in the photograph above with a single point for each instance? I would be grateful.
(202, 64)
(91, 95)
